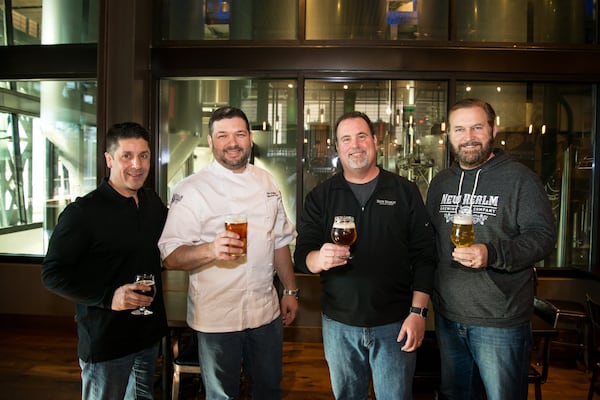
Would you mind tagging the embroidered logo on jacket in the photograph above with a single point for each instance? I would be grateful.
(176, 198)
(383, 202)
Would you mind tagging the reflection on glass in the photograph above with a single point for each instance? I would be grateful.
(270, 106)
(538, 21)
(50, 22)
(377, 20)
(548, 127)
(230, 19)
(48, 157)
(407, 115)
(534, 21)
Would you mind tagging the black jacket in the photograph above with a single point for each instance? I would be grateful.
(393, 256)
(101, 241)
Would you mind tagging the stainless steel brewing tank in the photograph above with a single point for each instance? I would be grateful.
(345, 19)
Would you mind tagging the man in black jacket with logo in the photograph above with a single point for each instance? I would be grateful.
(374, 304)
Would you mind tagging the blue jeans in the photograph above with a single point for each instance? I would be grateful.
(354, 353)
(477, 359)
(130, 377)
(258, 350)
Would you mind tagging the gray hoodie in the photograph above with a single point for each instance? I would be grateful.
(513, 218)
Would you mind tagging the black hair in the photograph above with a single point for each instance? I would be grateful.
(226, 112)
(125, 130)
(355, 114)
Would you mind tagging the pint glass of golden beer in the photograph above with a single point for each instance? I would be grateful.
(343, 231)
(238, 223)
(462, 234)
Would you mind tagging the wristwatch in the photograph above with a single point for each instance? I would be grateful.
(421, 311)
(291, 292)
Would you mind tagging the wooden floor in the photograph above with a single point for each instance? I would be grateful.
(40, 362)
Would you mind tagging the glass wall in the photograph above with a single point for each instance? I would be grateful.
(230, 19)
(186, 106)
(548, 127)
(408, 117)
(377, 20)
(537, 21)
(513, 21)
(47, 157)
(48, 22)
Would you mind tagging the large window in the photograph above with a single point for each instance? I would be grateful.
(230, 19)
(47, 157)
(531, 21)
(186, 106)
(48, 22)
(548, 127)
(294, 66)
(408, 117)
(512, 21)
(377, 20)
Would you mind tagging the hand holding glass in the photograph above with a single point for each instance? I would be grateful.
(146, 279)
(343, 231)
(238, 223)
(463, 233)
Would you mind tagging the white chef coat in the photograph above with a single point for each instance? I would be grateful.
(229, 296)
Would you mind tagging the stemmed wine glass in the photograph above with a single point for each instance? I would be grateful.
(343, 231)
(146, 279)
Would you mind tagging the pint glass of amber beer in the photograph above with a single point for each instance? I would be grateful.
(463, 233)
(239, 224)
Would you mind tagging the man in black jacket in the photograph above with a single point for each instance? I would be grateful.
(101, 242)
(374, 304)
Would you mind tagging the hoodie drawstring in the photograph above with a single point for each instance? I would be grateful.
(460, 183)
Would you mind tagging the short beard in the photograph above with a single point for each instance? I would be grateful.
(358, 165)
(474, 159)
(235, 165)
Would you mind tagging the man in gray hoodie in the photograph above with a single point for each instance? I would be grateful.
(483, 293)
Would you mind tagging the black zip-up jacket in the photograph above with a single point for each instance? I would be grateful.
(393, 256)
(101, 241)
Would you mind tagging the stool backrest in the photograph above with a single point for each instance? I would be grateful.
(594, 313)
(545, 310)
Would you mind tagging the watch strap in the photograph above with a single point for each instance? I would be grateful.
(418, 310)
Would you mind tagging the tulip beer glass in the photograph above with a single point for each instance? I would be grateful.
(343, 231)
(146, 279)
(238, 223)
(463, 233)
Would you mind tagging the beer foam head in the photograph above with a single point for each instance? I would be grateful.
(463, 219)
(343, 224)
(235, 218)
(343, 221)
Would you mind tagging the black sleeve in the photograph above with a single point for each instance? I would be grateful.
(65, 270)
(310, 231)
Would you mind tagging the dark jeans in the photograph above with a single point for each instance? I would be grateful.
(258, 350)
